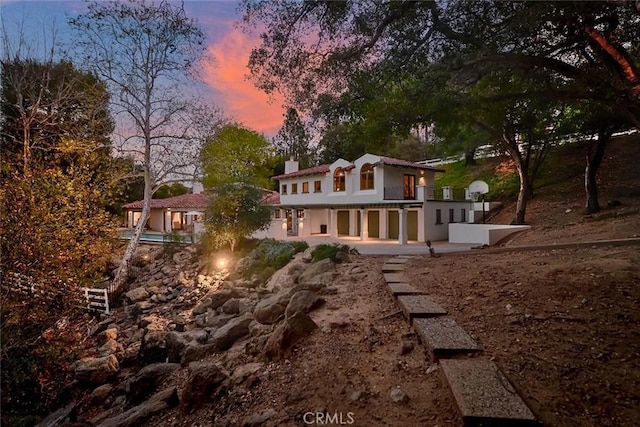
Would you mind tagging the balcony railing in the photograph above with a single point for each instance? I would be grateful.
(399, 193)
(447, 193)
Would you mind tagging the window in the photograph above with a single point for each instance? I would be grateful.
(317, 186)
(277, 214)
(452, 215)
(284, 188)
(438, 216)
(409, 186)
(338, 180)
(366, 177)
(305, 187)
(463, 215)
(294, 188)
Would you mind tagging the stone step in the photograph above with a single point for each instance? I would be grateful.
(444, 337)
(397, 260)
(484, 395)
(402, 289)
(416, 306)
(389, 268)
(394, 278)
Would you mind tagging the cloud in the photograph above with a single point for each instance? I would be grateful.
(239, 97)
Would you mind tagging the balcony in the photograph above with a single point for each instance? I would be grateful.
(400, 193)
(447, 193)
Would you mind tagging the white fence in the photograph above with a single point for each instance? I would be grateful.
(97, 299)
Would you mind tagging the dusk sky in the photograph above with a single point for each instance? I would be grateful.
(226, 80)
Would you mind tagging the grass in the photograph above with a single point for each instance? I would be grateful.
(497, 172)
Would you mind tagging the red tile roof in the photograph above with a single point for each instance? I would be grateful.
(185, 201)
(397, 162)
(316, 170)
(271, 198)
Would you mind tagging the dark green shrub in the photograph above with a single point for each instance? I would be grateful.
(328, 251)
(271, 253)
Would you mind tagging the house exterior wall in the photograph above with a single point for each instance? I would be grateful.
(439, 230)
(156, 220)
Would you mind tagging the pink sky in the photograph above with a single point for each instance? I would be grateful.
(237, 95)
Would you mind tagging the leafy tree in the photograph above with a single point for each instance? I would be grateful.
(237, 163)
(237, 155)
(144, 52)
(235, 212)
(292, 140)
(175, 189)
(55, 233)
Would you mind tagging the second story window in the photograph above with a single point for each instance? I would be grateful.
(284, 189)
(339, 180)
(294, 188)
(317, 186)
(366, 177)
(305, 187)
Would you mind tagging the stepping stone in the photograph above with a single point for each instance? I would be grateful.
(402, 289)
(415, 306)
(443, 336)
(397, 260)
(483, 394)
(386, 268)
(395, 278)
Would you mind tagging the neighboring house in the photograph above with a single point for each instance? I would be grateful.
(373, 197)
(182, 214)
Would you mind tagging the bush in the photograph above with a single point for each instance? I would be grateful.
(271, 255)
(328, 251)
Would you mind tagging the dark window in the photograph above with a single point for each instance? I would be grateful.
(277, 214)
(409, 182)
(338, 180)
(284, 189)
(305, 187)
(366, 177)
(317, 186)
(438, 216)
(452, 217)
(294, 188)
(463, 215)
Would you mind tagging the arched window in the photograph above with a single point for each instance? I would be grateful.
(338, 180)
(366, 177)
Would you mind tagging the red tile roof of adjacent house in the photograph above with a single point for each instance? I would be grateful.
(316, 170)
(397, 162)
(185, 201)
(271, 198)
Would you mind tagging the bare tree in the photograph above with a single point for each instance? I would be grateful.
(146, 53)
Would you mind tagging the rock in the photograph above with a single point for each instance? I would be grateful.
(137, 294)
(99, 395)
(316, 271)
(237, 328)
(246, 305)
(177, 343)
(154, 347)
(61, 417)
(242, 372)
(107, 335)
(97, 370)
(131, 353)
(287, 334)
(303, 302)
(256, 328)
(202, 384)
(137, 415)
(307, 255)
(269, 310)
(407, 347)
(398, 396)
(296, 269)
(356, 395)
(145, 381)
(110, 347)
(213, 320)
(202, 306)
(258, 419)
(232, 306)
(194, 352)
(215, 299)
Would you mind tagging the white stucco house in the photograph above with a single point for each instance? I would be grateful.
(373, 197)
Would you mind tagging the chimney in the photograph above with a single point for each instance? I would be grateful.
(197, 187)
(290, 166)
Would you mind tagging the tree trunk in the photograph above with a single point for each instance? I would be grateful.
(469, 157)
(525, 193)
(594, 160)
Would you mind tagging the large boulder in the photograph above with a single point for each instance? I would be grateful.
(137, 415)
(303, 302)
(237, 328)
(145, 381)
(137, 294)
(322, 272)
(107, 335)
(215, 299)
(292, 330)
(177, 342)
(97, 370)
(270, 310)
(154, 347)
(204, 381)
